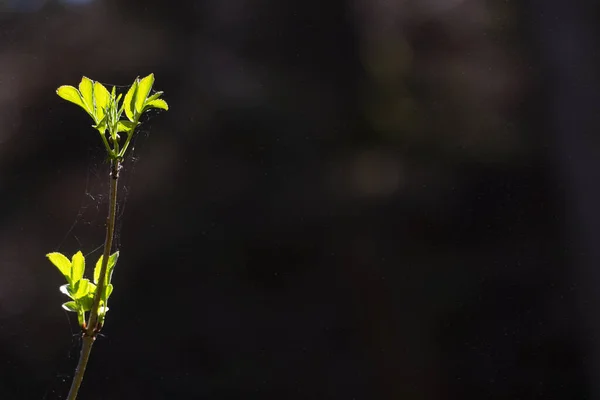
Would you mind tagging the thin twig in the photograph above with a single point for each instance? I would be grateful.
(92, 328)
(84, 356)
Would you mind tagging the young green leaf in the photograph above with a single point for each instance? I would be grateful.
(82, 289)
(101, 99)
(66, 289)
(154, 97)
(125, 126)
(78, 263)
(102, 310)
(87, 301)
(119, 109)
(129, 101)
(109, 290)
(144, 87)
(62, 263)
(156, 103)
(101, 126)
(112, 261)
(70, 306)
(71, 94)
(86, 89)
(98, 268)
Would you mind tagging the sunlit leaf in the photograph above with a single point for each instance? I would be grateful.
(70, 306)
(109, 290)
(62, 263)
(117, 102)
(82, 289)
(129, 101)
(154, 96)
(125, 126)
(87, 302)
(78, 263)
(71, 94)
(112, 261)
(144, 87)
(101, 99)
(86, 89)
(157, 103)
(64, 289)
(102, 310)
(101, 126)
(97, 269)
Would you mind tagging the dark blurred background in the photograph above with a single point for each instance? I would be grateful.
(365, 199)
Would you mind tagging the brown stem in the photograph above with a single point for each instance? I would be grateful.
(86, 349)
(92, 328)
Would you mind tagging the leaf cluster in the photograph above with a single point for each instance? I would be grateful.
(81, 290)
(106, 109)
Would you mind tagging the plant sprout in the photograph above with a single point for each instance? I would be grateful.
(116, 133)
(81, 290)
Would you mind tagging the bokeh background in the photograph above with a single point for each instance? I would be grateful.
(348, 199)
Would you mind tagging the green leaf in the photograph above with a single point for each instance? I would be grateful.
(102, 315)
(101, 99)
(78, 263)
(109, 290)
(98, 268)
(71, 94)
(117, 102)
(125, 126)
(154, 96)
(86, 89)
(129, 101)
(157, 103)
(82, 289)
(62, 263)
(70, 306)
(112, 261)
(66, 289)
(101, 126)
(144, 87)
(87, 302)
